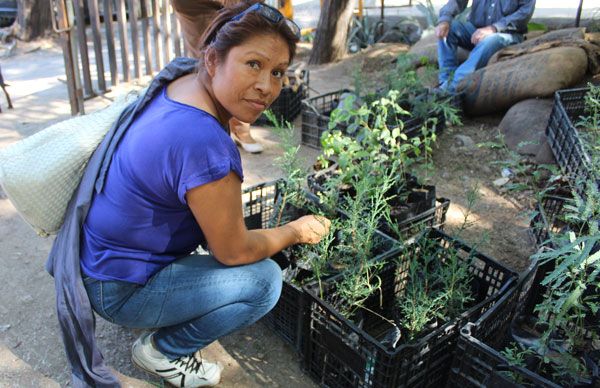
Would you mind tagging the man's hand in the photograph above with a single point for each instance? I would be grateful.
(481, 33)
(442, 30)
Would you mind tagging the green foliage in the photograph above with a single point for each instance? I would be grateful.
(567, 304)
(590, 123)
(358, 240)
(591, 120)
(532, 26)
(526, 175)
(594, 25)
(437, 286)
(308, 37)
(428, 10)
(291, 165)
(584, 211)
(438, 283)
(516, 356)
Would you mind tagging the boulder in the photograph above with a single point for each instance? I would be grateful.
(524, 129)
(497, 87)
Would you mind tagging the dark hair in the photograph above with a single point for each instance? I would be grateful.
(223, 35)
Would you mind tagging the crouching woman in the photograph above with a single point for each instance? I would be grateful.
(172, 181)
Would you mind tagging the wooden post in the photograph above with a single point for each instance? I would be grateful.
(110, 42)
(177, 36)
(166, 9)
(135, 43)
(156, 34)
(83, 50)
(64, 30)
(146, 36)
(75, 55)
(122, 20)
(95, 22)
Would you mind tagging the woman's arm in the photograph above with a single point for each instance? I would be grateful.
(217, 207)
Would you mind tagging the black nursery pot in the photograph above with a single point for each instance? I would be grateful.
(421, 198)
(289, 318)
(345, 352)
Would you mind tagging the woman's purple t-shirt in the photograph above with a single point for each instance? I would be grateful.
(141, 222)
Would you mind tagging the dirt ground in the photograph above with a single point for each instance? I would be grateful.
(28, 324)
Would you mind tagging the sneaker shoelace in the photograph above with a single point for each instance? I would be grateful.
(191, 363)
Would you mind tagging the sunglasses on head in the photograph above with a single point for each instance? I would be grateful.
(270, 14)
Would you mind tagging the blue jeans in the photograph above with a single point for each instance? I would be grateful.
(192, 302)
(460, 33)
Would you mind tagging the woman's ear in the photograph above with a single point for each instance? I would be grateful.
(210, 61)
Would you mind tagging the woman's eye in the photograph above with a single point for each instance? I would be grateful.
(278, 73)
(254, 65)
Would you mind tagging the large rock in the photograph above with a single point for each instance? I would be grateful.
(406, 32)
(427, 48)
(499, 86)
(565, 35)
(524, 129)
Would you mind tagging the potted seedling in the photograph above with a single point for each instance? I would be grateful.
(335, 252)
(553, 340)
(395, 323)
(377, 150)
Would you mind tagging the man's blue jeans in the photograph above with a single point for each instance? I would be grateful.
(460, 36)
(192, 302)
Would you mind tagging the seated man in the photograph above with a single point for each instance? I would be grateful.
(492, 25)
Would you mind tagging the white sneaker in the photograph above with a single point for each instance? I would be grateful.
(253, 148)
(189, 371)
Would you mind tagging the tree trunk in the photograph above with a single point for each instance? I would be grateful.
(330, 42)
(33, 19)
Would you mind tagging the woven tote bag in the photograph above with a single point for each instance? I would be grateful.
(40, 173)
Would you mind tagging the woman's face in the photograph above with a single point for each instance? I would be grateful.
(251, 76)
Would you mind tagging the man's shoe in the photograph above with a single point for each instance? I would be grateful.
(455, 99)
(189, 371)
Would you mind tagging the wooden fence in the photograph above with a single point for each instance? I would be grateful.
(106, 42)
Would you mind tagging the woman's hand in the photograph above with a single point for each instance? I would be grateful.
(310, 229)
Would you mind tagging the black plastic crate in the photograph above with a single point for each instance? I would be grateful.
(564, 139)
(289, 317)
(477, 364)
(289, 103)
(432, 216)
(490, 331)
(315, 116)
(258, 202)
(316, 112)
(340, 354)
(478, 361)
(549, 216)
